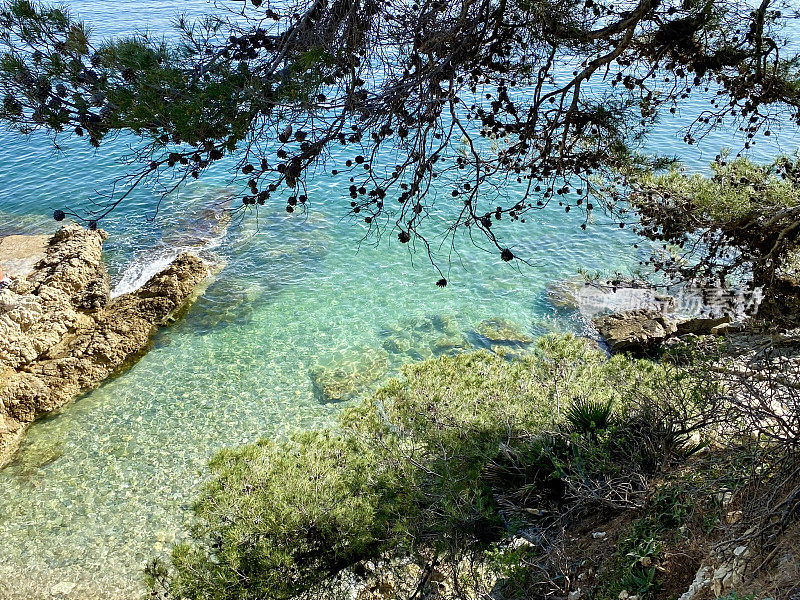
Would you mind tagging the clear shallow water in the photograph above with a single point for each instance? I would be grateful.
(107, 484)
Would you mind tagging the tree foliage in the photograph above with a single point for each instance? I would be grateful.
(739, 225)
(489, 109)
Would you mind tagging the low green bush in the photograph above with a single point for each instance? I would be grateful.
(440, 464)
(279, 518)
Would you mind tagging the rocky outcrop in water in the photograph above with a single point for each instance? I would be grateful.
(61, 334)
(635, 331)
(632, 317)
(593, 298)
(642, 331)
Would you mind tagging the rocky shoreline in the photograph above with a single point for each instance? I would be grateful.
(61, 333)
(630, 316)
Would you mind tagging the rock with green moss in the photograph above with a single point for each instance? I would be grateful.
(446, 323)
(502, 331)
(450, 344)
(341, 376)
(419, 353)
(420, 338)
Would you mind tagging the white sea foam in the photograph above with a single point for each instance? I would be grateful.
(152, 260)
(143, 267)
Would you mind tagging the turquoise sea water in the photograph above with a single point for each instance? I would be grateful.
(106, 484)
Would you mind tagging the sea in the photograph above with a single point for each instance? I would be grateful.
(107, 484)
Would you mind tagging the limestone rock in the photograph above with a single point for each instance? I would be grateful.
(731, 572)
(592, 299)
(19, 253)
(728, 328)
(701, 581)
(701, 325)
(73, 265)
(636, 331)
(60, 334)
(70, 276)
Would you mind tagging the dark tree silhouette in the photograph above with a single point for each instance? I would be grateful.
(510, 104)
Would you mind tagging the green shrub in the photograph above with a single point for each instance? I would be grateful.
(439, 464)
(587, 417)
(279, 518)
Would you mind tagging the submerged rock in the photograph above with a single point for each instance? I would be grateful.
(341, 376)
(446, 323)
(451, 344)
(397, 343)
(632, 316)
(61, 334)
(228, 300)
(502, 331)
(418, 338)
